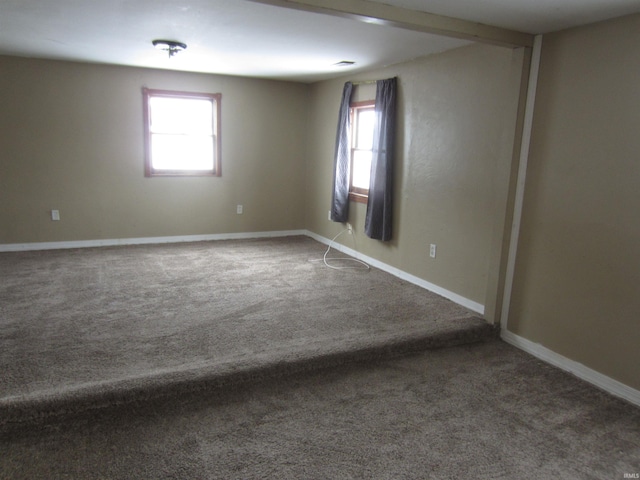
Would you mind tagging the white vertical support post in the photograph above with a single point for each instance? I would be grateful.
(522, 176)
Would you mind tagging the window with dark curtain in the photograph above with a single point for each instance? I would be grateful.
(340, 194)
(378, 219)
(379, 205)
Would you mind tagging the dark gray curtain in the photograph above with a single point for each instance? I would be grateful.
(377, 223)
(340, 196)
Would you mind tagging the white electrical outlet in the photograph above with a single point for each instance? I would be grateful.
(432, 250)
(239, 209)
(55, 215)
(350, 228)
(329, 215)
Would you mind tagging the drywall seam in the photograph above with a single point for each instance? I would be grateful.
(522, 176)
(579, 370)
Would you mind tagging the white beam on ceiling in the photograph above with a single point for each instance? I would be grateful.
(383, 14)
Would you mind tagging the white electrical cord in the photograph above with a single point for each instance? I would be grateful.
(362, 265)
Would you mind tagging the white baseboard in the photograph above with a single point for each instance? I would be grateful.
(21, 247)
(454, 297)
(607, 384)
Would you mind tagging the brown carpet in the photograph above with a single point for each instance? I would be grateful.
(485, 411)
(251, 360)
(87, 328)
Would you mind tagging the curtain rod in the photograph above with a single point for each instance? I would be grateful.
(364, 82)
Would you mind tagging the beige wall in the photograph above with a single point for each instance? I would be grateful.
(72, 140)
(457, 115)
(577, 278)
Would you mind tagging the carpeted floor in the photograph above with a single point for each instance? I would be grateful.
(86, 328)
(484, 411)
(251, 359)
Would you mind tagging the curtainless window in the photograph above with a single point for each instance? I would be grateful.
(182, 133)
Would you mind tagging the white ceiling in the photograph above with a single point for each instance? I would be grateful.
(241, 37)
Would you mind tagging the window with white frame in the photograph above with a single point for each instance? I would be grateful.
(182, 133)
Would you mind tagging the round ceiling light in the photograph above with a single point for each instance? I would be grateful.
(169, 46)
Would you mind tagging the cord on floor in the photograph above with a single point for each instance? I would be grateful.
(361, 265)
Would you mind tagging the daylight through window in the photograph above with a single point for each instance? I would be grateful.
(362, 124)
(182, 133)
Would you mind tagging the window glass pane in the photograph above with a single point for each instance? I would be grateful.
(361, 169)
(181, 115)
(182, 152)
(364, 135)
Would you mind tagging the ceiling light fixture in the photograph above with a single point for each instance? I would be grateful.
(169, 46)
(345, 63)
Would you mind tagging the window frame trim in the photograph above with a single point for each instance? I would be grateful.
(356, 194)
(216, 98)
